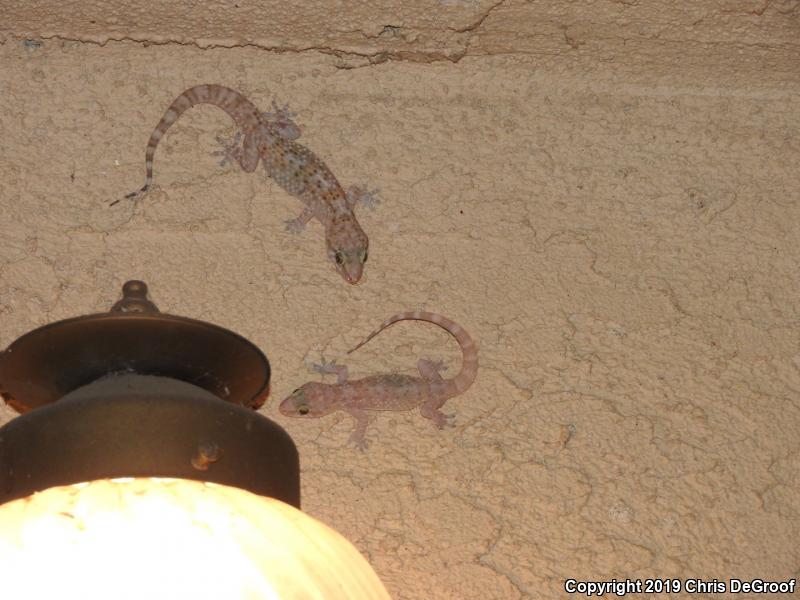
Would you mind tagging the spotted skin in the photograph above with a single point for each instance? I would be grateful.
(390, 391)
(270, 138)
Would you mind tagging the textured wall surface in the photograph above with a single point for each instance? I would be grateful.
(606, 195)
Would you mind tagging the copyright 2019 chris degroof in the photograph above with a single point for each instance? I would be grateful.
(624, 587)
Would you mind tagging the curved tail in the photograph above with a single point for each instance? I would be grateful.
(232, 102)
(469, 351)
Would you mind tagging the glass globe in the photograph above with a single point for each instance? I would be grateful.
(147, 538)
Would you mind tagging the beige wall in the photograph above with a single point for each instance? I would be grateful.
(604, 194)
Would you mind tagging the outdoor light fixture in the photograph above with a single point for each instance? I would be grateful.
(140, 469)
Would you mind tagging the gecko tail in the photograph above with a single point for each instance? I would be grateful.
(469, 352)
(135, 195)
(241, 110)
(391, 321)
(140, 192)
(354, 348)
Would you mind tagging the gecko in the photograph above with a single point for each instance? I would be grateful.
(392, 391)
(270, 138)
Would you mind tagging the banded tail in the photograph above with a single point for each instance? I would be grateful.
(232, 102)
(469, 351)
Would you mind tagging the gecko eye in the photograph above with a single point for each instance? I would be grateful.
(303, 409)
(339, 257)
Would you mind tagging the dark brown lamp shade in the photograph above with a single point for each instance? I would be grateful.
(138, 393)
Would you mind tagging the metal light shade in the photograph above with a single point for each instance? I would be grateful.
(140, 469)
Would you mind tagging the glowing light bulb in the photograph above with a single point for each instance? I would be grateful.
(172, 538)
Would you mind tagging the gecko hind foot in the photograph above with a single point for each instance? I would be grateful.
(435, 364)
(431, 369)
(231, 151)
(281, 118)
(440, 419)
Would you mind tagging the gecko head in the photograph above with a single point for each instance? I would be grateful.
(350, 254)
(308, 401)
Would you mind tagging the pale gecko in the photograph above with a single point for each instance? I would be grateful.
(270, 137)
(393, 391)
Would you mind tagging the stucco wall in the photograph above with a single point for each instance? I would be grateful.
(604, 194)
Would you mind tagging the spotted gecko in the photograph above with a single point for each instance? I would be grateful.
(271, 137)
(388, 391)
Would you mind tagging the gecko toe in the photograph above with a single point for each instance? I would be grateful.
(357, 194)
(359, 440)
(230, 150)
(443, 421)
(361, 444)
(294, 226)
(436, 364)
(326, 367)
(281, 119)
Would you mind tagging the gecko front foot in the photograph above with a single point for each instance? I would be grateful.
(297, 225)
(231, 151)
(331, 368)
(326, 367)
(294, 226)
(357, 194)
(359, 435)
(281, 119)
